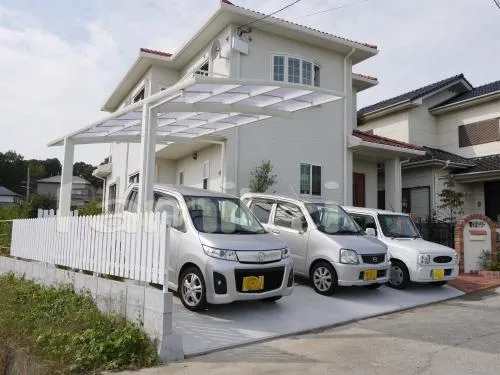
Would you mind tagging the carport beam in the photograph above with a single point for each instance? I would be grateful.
(64, 206)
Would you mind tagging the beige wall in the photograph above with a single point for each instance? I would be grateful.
(448, 129)
(369, 169)
(395, 126)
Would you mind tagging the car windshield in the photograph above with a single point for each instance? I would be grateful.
(398, 226)
(222, 215)
(332, 219)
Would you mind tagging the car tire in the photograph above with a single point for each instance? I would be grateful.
(372, 286)
(400, 277)
(324, 278)
(192, 289)
(271, 299)
(438, 283)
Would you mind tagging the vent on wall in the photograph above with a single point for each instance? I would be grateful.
(478, 133)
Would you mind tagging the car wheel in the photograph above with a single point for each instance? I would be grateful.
(400, 277)
(438, 283)
(192, 289)
(272, 299)
(372, 286)
(324, 278)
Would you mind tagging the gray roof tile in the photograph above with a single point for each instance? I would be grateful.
(473, 94)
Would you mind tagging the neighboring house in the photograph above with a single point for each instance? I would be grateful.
(8, 197)
(459, 126)
(318, 152)
(81, 193)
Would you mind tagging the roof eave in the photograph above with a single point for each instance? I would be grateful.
(431, 162)
(363, 83)
(402, 105)
(477, 176)
(465, 103)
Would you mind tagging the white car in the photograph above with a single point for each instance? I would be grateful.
(413, 259)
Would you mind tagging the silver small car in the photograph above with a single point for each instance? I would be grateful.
(219, 252)
(326, 244)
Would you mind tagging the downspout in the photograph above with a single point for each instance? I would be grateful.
(345, 123)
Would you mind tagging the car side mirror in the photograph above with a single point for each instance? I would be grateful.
(371, 232)
(298, 224)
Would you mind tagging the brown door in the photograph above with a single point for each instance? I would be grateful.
(358, 189)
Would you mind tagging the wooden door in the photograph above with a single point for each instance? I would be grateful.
(358, 189)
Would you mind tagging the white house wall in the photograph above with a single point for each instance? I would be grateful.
(448, 129)
(165, 171)
(369, 169)
(193, 169)
(422, 127)
(395, 126)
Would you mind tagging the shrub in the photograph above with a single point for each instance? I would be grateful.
(262, 178)
(94, 207)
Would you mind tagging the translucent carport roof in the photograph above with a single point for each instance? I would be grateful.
(200, 106)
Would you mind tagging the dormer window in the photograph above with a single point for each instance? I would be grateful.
(295, 70)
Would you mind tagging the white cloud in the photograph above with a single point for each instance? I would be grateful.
(54, 79)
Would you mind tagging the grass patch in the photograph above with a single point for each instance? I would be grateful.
(66, 331)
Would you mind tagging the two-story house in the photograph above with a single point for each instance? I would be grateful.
(81, 193)
(459, 126)
(318, 152)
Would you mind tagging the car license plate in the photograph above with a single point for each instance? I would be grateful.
(252, 283)
(437, 274)
(370, 275)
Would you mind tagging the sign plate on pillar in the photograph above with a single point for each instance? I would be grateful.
(477, 230)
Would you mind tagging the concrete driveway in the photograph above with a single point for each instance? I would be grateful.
(226, 326)
(459, 337)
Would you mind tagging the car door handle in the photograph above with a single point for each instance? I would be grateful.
(275, 231)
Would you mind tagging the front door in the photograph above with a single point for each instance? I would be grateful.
(290, 225)
(492, 200)
(358, 189)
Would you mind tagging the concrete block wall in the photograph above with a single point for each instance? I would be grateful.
(150, 306)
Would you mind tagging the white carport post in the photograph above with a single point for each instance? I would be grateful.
(64, 208)
(148, 152)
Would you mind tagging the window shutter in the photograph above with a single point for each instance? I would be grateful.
(478, 133)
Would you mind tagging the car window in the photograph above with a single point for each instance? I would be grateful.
(261, 209)
(131, 205)
(365, 221)
(170, 205)
(289, 215)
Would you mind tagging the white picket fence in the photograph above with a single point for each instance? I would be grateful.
(51, 213)
(131, 246)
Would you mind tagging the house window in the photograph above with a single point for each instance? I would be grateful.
(297, 70)
(139, 96)
(203, 69)
(134, 178)
(478, 133)
(206, 174)
(112, 198)
(310, 179)
(181, 178)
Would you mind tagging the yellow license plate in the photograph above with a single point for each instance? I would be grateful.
(370, 275)
(437, 274)
(252, 283)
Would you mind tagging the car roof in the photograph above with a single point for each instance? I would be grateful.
(372, 211)
(186, 190)
(287, 197)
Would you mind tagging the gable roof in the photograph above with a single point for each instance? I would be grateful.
(476, 93)
(411, 95)
(384, 141)
(7, 193)
(435, 155)
(227, 13)
(57, 180)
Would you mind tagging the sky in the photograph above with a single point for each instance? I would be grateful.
(60, 60)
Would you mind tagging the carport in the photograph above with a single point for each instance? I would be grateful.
(193, 108)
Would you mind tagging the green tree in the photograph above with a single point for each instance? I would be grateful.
(84, 171)
(94, 207)
(262, 177)
(452, 201)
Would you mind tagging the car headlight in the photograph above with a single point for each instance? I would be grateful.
(348, 256)
(424, 259)
(220, 253)
(285, 253)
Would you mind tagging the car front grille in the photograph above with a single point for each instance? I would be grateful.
(273, 278)
(443, 259)
(373, 259)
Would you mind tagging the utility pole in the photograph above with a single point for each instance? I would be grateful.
(28, 183)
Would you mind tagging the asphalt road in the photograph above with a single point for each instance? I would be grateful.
(461, 336)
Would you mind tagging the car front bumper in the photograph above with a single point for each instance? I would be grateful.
(232, 272)
(424, 274)
(352, 274)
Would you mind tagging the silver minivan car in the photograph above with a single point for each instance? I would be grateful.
(326, 244)
(219, 251)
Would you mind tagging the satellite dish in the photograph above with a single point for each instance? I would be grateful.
(215, 50)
